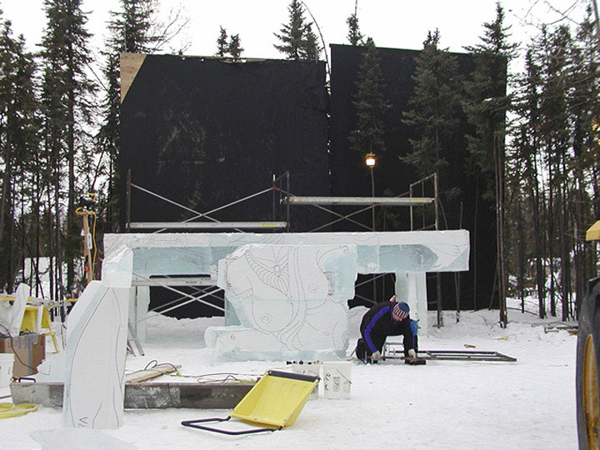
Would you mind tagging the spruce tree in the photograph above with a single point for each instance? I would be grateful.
(235, 47)
(355, 37)
(19, 122)
(231, 46)
(555, 145)
(434, 118)
(222, 43)
(435, 105)
(131, 31)
(298, 41)
(584, 107)
(487, 101)
(486, 106)
(525, 155)
(67, 111)
(370, 104)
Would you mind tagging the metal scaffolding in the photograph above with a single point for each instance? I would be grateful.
(369, 203)
(281, 197)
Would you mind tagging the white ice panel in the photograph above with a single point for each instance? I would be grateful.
(95, 360)
(291, 301)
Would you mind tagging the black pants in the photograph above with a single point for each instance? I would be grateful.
(363, 352)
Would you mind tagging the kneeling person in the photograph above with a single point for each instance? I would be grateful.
(383, 320)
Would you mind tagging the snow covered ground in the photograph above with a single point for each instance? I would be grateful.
(528, 404)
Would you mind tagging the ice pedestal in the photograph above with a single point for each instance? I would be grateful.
(411, 287)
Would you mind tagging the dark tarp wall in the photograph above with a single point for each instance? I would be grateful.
(350, 176)
(205, 133)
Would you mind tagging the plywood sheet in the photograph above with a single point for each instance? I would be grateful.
(130, 66)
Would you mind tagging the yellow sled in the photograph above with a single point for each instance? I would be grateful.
(273, 403)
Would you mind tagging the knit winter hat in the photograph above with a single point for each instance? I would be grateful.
(400, 311)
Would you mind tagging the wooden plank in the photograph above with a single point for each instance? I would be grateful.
(148, 374)
(130, 66)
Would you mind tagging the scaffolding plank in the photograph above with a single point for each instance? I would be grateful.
(175, 281)
(357, 201)
(206, 225)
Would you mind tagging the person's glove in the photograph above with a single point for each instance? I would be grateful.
(376, 356)
(412, 354)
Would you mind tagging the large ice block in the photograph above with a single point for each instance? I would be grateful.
(286, 293)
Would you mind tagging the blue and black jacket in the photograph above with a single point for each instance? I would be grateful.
(378, 323)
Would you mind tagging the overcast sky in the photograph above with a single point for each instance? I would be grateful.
(391, 23)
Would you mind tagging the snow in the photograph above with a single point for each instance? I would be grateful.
(528, 404)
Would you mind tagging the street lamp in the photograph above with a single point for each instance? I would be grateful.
(370, 161)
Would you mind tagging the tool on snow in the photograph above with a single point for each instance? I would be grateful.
(273, 403)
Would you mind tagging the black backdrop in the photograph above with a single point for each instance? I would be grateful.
(204, 133)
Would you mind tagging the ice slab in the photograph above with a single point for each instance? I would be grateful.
(117, 268)
(77, 439)
(378, 252)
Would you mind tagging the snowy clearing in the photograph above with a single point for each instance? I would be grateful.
(528, 404)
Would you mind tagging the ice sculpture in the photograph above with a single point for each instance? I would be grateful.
(286, 293)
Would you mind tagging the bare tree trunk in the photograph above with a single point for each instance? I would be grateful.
(563, 219)
(58, 250)
(6, 184)
(539, 227)
(500, 235)
(521, 253)
(474, 240)
(550, 239)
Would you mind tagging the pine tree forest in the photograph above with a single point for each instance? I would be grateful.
(534, 141)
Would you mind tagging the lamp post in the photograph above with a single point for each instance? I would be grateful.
(370, 161)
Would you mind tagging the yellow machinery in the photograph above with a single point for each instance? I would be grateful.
(593, 232)
(588, 358)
